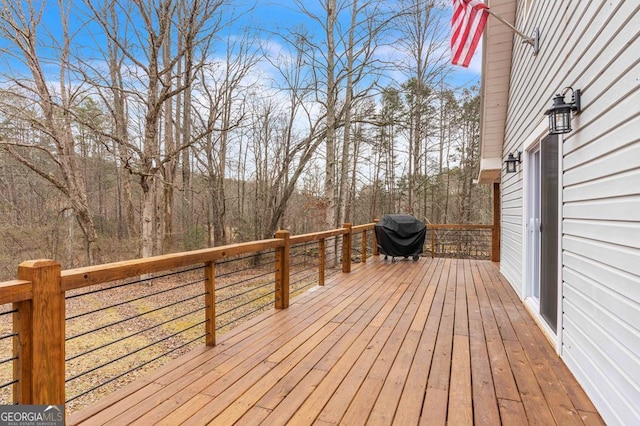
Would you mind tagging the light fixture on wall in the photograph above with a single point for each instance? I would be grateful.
(512, 162)
(560, 112)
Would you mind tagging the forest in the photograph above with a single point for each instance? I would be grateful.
(137, 128)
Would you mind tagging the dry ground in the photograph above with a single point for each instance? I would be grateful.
(138, 326)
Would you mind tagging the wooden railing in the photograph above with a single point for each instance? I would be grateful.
(36, 323)
(460, 241)
(38, 298)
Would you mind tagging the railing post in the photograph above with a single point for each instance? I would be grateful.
(210, 302)
(374, 243)
(433, 243)
(40, 344)
(282, 271)
(364, 246)
(323, 262)
(495, 231)
(346, 249)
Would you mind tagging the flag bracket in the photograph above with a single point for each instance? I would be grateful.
(533, 41)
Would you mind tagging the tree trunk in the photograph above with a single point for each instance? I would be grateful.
(331, 98)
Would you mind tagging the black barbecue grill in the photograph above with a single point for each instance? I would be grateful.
(400, 235)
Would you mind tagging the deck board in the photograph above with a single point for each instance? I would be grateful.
(439, 341)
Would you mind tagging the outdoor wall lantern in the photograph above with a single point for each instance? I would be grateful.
(560, 112)
(512, 162)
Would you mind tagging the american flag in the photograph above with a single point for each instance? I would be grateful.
(467, 24)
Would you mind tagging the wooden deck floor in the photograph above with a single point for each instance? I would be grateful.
(436, 341)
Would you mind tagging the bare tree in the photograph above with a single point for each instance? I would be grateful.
(345, 71)
(300, 130)
(221, 88)
(330, 102)
(45, 104)
(151, 57)
(423, 40)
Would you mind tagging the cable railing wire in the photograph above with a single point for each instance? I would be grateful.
(84, 373)
(259, 308)
(7, 384)
(8, 336)
(294, 249)
(306, 258)
(302, 288)
(301, 263)
(300, 271)
(138, 367)
(241, 258)
(473, 243)
(11, 358)
(200, 281)
(135, 316)
(246, 303)
(304, 278)
(251, 278)
(234, 295)
(4, 361)
(157, 325)
(199, 309)
(128, 283)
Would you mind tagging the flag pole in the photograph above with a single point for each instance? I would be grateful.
(532, 41)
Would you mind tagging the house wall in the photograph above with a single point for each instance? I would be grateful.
(592, 46)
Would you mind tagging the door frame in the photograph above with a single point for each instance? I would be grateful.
(532, 143)
(532, 199)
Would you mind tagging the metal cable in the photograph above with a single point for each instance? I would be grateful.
(301, 263)
(84, 373)
(136, 368)
(312, 267)
(4, 361)
(245, 280)
(245, 304)
(134, 282)
(135, 316)
(301, 288)
(244, 316)
(333, 272)
(134, 300)
(8, 336)
(4, 385)
(303, 278)
(237, 259)
(245, 292)
(134, 334)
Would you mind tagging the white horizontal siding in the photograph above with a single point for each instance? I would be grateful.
(625, 208)
(613, 280)
(623, 159)
(593, 46)
(618, 185)
(583, 357)
(617, 233)
(621, 362)
(614, 138)
(602, 306)
(511, 231)
(618, 257)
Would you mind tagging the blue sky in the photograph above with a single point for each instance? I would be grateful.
(272, 15)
